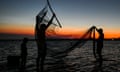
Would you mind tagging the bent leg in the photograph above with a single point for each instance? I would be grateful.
(42, 61)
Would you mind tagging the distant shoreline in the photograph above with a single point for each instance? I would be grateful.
(56, 39)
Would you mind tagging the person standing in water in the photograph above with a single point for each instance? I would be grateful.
(100, 45)
(41, 41)
(24, 54)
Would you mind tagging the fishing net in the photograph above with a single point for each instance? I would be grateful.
(52, 31)
(59, 47)
(44, 17)
(56, 47)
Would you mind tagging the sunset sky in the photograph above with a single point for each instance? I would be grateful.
(76, 16)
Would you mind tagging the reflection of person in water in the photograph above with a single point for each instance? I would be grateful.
(41, 43)
(24, 53)
(100, 44)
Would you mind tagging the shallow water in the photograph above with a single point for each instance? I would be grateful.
(81, 59)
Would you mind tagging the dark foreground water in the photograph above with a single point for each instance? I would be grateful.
(81, 59)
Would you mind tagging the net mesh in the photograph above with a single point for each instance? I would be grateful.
(45, 18)
(51, 32)
(59, 49)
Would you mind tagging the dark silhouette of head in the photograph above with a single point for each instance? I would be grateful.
(43, 26)
(100, 30)
(25, 39)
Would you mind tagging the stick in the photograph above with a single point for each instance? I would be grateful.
(54, 13)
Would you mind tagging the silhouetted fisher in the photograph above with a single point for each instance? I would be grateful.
(40, 31)
(24, 54)
(100, 44)
(41, 43)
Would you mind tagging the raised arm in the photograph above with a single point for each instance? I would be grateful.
(39, 20)
(50, 22)
(97, 29)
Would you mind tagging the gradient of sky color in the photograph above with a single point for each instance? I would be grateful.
(79, 15)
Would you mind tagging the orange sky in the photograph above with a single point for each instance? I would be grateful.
(67, 33)
(16, 30)
(77, 33)
(19, 19)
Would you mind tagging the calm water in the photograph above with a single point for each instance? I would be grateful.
(80, 59)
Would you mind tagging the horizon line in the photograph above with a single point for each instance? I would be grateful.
(32, 39)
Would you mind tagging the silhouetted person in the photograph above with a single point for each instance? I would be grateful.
(41, 42)
(100, 45)
(24, 54)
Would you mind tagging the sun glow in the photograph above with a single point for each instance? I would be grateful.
(63, 33)
(17, 30)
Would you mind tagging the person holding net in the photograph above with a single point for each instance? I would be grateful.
(41, 42)
(100, 45)
(99, 42)
(41, 30)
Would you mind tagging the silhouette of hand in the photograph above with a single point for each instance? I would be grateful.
(93, 27)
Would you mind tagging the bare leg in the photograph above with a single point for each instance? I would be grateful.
(38, 63)
(42, 61)
(23, 64)
(42, 65)
(100, 59)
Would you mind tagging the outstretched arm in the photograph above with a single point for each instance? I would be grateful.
(50, 22)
